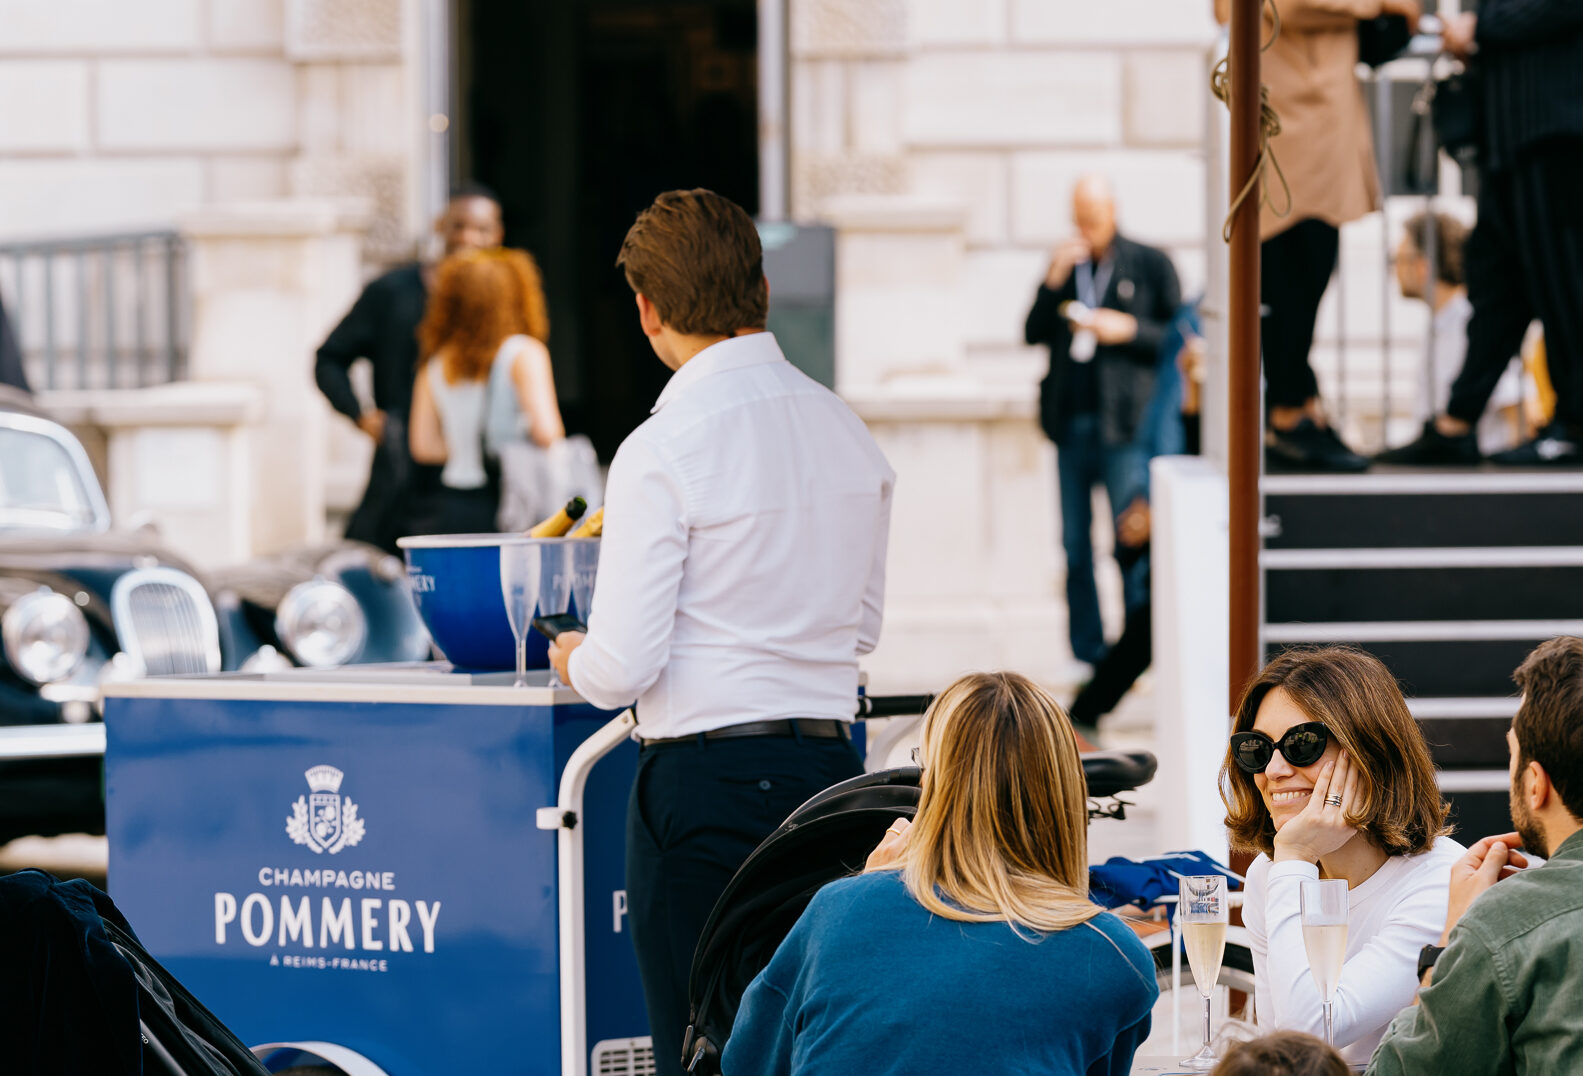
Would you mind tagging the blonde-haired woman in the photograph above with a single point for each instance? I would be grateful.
(969, 945)
(487, 308)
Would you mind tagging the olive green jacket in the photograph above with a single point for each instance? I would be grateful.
(1507, 994)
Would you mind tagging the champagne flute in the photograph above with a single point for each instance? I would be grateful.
(585, 564)
(1324, 910)
(519, 586)
(1203, 912)
(555, 583)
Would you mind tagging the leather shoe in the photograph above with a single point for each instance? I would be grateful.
(1556, 446)
(1309, 447)
(1433, 449)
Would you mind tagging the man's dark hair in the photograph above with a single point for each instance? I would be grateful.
(1451, 235)
(1549, 723)
(696, 256)
(470, 188)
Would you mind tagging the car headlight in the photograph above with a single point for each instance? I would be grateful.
(45, 636)
(321, 623)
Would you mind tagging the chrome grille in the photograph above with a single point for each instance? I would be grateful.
(623, 1057)
(165, 622)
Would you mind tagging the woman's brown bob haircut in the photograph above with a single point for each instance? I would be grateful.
(696, 257)
(1355, 696)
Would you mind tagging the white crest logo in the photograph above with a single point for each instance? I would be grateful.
(324, 820)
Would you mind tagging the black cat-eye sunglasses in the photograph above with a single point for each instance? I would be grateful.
(1301, 745)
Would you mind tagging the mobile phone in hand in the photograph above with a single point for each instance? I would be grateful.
(552, 626)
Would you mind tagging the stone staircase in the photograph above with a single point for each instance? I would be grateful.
(1450, 578)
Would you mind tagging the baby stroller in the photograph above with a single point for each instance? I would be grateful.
(82, 995)
(825, 839)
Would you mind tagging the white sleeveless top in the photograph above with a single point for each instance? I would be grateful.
(462, 408)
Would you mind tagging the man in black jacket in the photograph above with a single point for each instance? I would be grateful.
(1102, 309)
(1525, 257)
(382, 326)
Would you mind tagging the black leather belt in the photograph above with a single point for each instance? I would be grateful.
(811, 728)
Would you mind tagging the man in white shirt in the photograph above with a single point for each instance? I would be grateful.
(742, 572)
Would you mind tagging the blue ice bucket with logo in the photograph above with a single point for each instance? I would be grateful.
(459, 582)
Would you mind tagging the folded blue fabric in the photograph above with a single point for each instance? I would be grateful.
(1120, 880)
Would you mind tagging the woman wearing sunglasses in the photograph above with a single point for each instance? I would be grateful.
(1327, 776)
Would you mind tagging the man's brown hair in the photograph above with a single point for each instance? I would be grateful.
(696, 256)
(1549, 722)
(1282, 1053)
(1357, 699)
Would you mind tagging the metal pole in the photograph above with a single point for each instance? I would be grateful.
(1385, 162)
(111, 371)
(81, 262)
(172, 300)
(140, 358)
(51, 363)
(774, 94)
(1246, 423)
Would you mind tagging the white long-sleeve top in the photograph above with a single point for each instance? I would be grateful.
(742, 568)
(1400, 909)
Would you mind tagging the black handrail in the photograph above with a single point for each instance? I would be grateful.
(106, 311)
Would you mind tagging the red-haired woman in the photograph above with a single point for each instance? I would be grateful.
(487, 308)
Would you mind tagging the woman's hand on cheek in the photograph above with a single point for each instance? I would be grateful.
(1320, 828)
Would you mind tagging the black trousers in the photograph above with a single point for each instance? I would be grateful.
(434, 508)
(382, 515)
(1294, 270)
(1123, 664)
(1525, 261)
(1127, 659)
(696, 812)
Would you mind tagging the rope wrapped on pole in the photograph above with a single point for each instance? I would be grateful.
(1269, 127)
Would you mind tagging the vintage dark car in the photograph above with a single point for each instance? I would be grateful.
(82, 603)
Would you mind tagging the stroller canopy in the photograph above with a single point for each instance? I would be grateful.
(828, 837)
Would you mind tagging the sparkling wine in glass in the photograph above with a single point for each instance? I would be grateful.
(1203, 912)
(519, 586)
(1324, 911)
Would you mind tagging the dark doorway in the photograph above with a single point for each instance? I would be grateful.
(578, 112)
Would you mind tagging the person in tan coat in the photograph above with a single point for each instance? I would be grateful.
(1326, 152)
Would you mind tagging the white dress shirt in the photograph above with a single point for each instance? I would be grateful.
(742, 568)
(1394, 913)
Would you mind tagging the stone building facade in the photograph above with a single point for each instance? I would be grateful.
(940, 137)
(121, 116)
